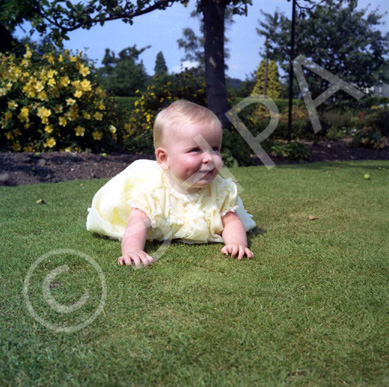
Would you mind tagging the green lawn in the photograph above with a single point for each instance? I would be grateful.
(310, 309)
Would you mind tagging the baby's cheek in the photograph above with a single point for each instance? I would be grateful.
(218, 162)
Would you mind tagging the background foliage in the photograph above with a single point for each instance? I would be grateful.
(52, 102)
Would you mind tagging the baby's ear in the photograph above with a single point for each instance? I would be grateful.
(162, 158)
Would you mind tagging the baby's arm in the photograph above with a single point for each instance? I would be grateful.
(134, 240)
(234, 236)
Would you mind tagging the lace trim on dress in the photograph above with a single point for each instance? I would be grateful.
(132, 204)
(194, 197)
(232, 209)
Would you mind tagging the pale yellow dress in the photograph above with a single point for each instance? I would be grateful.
(194, 218)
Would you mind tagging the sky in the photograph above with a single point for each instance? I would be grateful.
(161, 29)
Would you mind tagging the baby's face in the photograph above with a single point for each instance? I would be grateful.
(194, 154)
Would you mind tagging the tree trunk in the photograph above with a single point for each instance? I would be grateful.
(213, 11)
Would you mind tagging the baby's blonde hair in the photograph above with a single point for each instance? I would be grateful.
(181, 112)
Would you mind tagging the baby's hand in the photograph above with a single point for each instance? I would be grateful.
(234, 249)
(135, 258)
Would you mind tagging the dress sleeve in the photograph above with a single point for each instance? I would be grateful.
(227, 196)
(135, 187)
(147, 201)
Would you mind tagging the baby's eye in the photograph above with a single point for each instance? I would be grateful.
(215, 149)
(195, 150)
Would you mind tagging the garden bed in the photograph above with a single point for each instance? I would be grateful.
(29, 168)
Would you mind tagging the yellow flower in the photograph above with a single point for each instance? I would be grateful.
(23, 115)
(51, 73)
(43, 112)
(16, 132)
(97, 135)
(8, 115)
(12, 105)
(85, 85)
(86, 116)
(101, 106)
(84, 70)
(48, 129)
(68, 149)
(62, 121)
(73, 113)
(25, 63)
(70, 101)
(9, 136)
(98, 116)
(73, 59)
(16, 146)
(3, 92)
(39, 86)
(64, 81)
(52, 61)
(78, 94)
(51, 82)
(58, 109)
(80, 131)
(100, 92)
(28, 54)
(112, 129)
(127, 126)
(42, 95)
(60, 59)
(50, 142)
(28, 148)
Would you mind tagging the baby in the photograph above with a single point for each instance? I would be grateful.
(178, 196)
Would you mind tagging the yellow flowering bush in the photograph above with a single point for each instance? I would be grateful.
(52, 103)
(161, 92)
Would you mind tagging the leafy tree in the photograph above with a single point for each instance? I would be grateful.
(193, 45)
(273, 86)
(343, 40)
(63, 17)
(160, 68)
(123, 75)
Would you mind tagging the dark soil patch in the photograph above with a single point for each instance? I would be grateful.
(29, 168)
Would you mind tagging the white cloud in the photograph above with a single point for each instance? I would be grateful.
(184, 65)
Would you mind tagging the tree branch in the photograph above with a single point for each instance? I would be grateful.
(161, 5)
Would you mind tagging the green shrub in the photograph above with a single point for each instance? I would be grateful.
(257, 117)
(52, 103)
(126, 103)
(341, 120)
(368, 137)
(378, 119)
(235, 150)
(291, 151)
(161, 92)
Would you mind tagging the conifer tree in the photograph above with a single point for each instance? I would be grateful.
(160, 65)
(273, 89)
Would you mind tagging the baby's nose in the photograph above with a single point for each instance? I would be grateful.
(207, 157)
